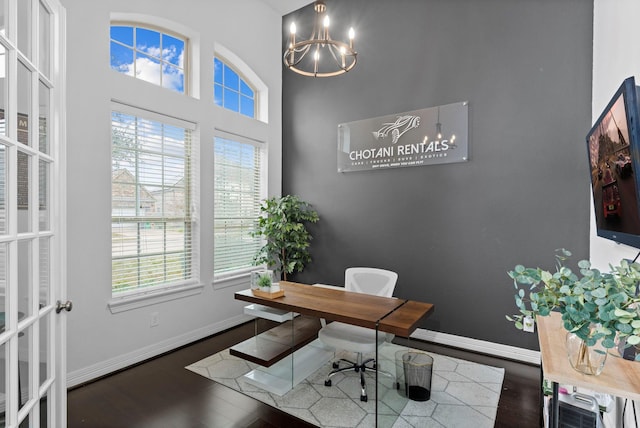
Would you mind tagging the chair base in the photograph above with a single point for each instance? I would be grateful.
(358, 366)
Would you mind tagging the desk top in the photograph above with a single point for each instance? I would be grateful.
(397, 316)
(619, 377)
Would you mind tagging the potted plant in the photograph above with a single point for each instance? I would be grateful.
(264, 282)
(597, 308)
(283, 225)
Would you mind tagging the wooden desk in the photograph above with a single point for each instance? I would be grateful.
(620, 377)
(360, 309)
(386, 314)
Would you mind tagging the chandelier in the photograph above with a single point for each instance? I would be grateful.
(320, 56)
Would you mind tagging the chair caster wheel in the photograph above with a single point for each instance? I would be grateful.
(363, 398)
(327, 382)
(336, 365)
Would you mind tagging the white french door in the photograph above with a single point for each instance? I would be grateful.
(32, 263)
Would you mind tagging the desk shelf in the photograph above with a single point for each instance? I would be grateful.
(277, 343)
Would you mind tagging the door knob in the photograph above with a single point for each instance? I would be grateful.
(66, 306)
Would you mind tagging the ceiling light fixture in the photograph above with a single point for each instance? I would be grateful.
(329, 57)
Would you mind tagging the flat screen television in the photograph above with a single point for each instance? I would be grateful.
(613, 145)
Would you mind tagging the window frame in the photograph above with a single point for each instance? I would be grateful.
(242, 128)
(261, 147)
(242, 79)
(186, 70)
(142, 296)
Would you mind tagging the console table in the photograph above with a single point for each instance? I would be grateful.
(620, 377)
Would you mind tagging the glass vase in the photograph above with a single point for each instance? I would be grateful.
(583, 358)
(255, 278)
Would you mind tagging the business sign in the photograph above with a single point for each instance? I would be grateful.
(433, 135)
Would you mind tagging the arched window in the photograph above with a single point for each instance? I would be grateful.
(149, 54)
(231, 91)
(239, 167)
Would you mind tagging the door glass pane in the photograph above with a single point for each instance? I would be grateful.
(3, 384)
(3, 89)
(3, 14)
(45, 38)
(3, 190)
(45, 410)
(4, 280)
(43, 118)
(45, 271)
(24, 190)
(45, 368)
(24, 278)
(24, 27)
(24, 351)
(43, 197)
(24, 103)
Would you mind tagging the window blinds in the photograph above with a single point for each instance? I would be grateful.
(237, 195)
(151, 192)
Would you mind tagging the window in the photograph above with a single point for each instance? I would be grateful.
(152, 222)
(149, 55)
(231, 91)
(237, 196)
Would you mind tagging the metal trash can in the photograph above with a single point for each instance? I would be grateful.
(413, 370)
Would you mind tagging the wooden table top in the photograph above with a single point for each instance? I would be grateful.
(397, 316)
(619, 377)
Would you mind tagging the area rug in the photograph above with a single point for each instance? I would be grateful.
(463, 393)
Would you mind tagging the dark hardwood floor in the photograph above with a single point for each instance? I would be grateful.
(160, 393)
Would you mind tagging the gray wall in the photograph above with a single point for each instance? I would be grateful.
(451, 231)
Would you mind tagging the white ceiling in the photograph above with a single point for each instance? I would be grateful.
(284, 7)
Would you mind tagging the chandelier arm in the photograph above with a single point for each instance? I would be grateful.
(344, 51)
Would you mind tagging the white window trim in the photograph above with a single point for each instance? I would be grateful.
(139, 298)
(243, 276)
(250, 77)
(193, 41)
(153, 297)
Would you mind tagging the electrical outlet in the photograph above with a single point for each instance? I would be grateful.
(528, 325)
(155, 319)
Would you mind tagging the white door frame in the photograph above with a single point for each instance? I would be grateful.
(32, 239)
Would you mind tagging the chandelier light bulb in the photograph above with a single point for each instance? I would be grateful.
(292, 28)
(316, 56)
(352, 33)
(326, 21)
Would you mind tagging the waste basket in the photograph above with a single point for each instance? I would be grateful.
(413, 370)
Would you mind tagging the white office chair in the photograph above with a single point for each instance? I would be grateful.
(357, 339)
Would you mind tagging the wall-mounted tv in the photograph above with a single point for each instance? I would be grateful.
(613, 145)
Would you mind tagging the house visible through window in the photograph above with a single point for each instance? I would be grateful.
(149, 55)
(231, 91)
(151, 223)
(237, 197)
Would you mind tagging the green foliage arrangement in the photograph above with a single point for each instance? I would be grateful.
(595, 306)
(283, 225)
(264, 281)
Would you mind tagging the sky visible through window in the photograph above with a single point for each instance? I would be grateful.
(148, 55)
(231, 91)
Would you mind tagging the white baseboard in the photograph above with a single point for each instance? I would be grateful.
(484, 347)
(106, 367)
